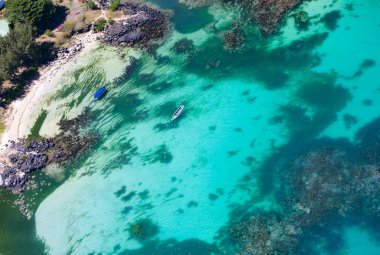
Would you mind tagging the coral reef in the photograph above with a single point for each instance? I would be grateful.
(234, 38)
(143, 229)
(183, 46)
(262, 235)
(301, 20)
(269, 13)
(321, 181)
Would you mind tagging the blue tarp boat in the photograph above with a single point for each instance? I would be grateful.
(2, 4)
(100, 92)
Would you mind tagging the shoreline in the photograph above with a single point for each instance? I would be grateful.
(21, 111)
(19, 155)
(124, 32)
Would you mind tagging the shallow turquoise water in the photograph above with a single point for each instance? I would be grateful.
(192, 178)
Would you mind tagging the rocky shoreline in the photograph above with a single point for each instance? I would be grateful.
(142, 25)
(28, 155)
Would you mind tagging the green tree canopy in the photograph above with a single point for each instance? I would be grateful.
(17, 49)
(36, 12)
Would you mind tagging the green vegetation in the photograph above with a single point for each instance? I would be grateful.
(2, 127)
(115, 5)
(91, 5)
(49, 33)
(38, 13)
(17, 49)
(35, 131)
(100, 24)
(20, 57)
(68, 28)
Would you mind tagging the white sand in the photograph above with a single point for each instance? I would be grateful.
(21, 114)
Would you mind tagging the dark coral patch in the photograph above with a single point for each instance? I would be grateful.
(127, 209)
(213, 196)
(129, 196)
(121, 191)
(192, 204)
(161, 155)
(143, 229)
(331, 19)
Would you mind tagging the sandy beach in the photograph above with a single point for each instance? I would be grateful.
(20, 115)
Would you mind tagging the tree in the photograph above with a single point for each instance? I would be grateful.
(114, 5)
(91, 5)
(100, 24)
(36, 12)
(18, 49)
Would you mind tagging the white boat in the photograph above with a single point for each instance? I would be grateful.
(177, 112)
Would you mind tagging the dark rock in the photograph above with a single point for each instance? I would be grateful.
(145, 25)
(104, 4)
(13, 158)
(29, 155)
(33, 162)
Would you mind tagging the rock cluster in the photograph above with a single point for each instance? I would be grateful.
(31, 154)
(143, 25)
(103, 4)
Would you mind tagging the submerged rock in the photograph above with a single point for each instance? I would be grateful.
(234, 39)
(183, 46)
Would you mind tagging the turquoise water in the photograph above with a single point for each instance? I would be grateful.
(153, 188)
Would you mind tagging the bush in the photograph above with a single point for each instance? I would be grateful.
(111, 21)
(100, 24)
(18, 48)
(91, 5)
(37, 12)
(49, 33)
(20, 57)
(68, 28)
(115, 5)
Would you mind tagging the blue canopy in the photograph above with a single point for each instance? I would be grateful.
(2, 4)
(99, 93)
